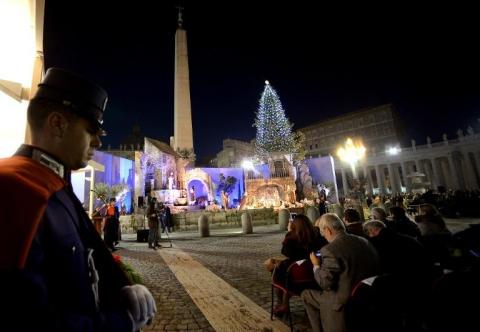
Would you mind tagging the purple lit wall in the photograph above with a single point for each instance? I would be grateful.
(117, 171)
(322, 171)
(214, 173)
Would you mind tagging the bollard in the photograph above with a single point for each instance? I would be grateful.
(203, 226)
(283, 218)
(338, 210)
(313, 214)
(247, 227)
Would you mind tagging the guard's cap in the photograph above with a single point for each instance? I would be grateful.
(82, 96)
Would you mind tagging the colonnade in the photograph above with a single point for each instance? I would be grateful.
(451, 164)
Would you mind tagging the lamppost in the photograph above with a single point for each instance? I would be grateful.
(351, 153)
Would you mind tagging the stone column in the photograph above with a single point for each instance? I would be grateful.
(396, 171)
(470, 174)
(430, 176)
(344, 182)
(453, 172)
(477, 165)
(368, 177)
(436, 178)
(445, 172)
(405, 179)
(381, 189)
(418, 165)
(391, 176)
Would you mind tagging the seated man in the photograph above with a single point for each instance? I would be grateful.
(345, 260)
(353, 222)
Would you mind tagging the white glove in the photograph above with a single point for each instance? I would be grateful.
(140, 305)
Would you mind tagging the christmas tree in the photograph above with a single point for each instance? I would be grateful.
(274, 131)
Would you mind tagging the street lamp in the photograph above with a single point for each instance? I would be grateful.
(351, 153)
(248, 165)
(394, 150)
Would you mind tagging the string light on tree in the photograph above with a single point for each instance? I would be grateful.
(274, 131)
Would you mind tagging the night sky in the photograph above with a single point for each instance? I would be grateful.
(322, 61)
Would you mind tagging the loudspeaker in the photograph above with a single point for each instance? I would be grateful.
(142, 235)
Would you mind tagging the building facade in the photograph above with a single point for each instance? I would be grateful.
(377, 127)
(451, 164)
(233, 153)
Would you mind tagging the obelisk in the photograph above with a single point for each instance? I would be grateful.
(183, 133)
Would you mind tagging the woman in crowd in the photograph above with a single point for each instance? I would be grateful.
(112, 225)
(299, 242)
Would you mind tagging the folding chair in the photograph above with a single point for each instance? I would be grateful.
(299, 276)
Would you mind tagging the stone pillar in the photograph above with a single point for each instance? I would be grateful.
(313, 214)
(445, 172)
(429, 176)
(381, 189)
(406, 180)
(283, 218)
(396, 171)
(477, 165)
(391, 176)
(436, 177)
(203, 229)
(453, 172)
(344, 182)
(418, 165)
(247, 227)
(470, 174)
(368, 178)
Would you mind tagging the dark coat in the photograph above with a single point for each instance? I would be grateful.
(52, 291)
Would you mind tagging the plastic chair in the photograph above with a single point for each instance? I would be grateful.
(299, 276)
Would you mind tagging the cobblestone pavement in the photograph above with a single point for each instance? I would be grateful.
(234, 257)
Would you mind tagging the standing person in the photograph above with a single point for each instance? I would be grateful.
(161, 216)
(153, 224)
(224, 199)
(171, 180)
(192, 195)
(57, 273)
(111, 228)
(168, 218)
(345, 260)
(322, 202)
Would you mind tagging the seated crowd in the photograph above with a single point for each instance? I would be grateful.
(390, 273)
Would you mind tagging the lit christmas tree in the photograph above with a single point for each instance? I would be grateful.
(274, 131)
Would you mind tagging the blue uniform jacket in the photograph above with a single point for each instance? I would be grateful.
(53, 291)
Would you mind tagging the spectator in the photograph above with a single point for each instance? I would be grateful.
(353, 222)
(153, 225)
(434, 234)
(346, 260)
(299, 241)
(400, 223)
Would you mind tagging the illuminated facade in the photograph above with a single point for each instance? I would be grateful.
(377, 127)
(233, 153)
(21, 67)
